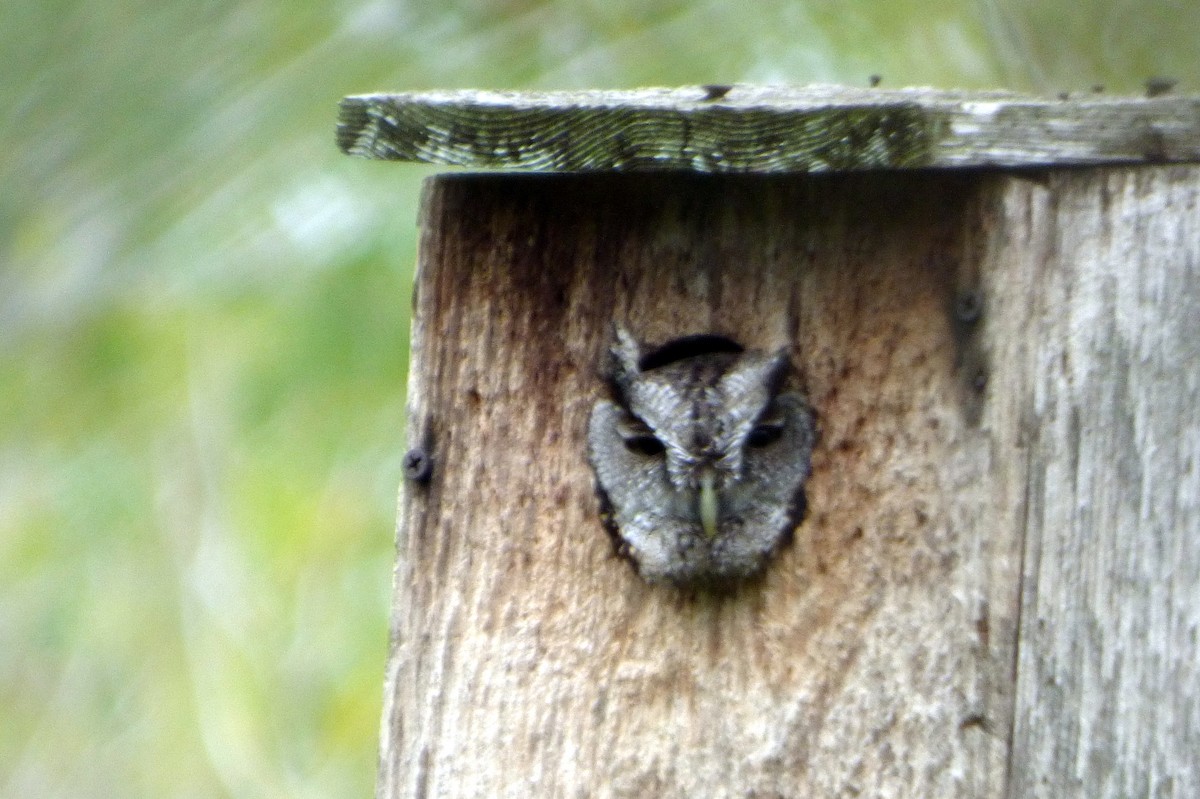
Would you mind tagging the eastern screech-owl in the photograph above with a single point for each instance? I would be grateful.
(700, 458)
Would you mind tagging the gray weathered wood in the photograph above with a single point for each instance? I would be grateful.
(1101, 300)
(754, 129)
(997, 590)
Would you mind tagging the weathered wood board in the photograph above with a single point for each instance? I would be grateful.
(1101, 288)
(997, 589)
(757, 129)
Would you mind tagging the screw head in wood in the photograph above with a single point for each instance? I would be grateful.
(418, 465)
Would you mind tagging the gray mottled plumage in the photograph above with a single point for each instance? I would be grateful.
(700, 458)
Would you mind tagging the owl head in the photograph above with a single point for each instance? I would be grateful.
(700, 458)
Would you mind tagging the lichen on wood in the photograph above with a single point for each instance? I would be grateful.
(752, 129)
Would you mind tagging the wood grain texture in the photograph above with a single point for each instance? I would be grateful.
(875, 657)
(1104, 285)
(760, 129)
(997, 590)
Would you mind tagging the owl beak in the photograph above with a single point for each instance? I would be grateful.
(708, 503)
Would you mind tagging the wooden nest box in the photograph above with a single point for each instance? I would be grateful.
(992, 305)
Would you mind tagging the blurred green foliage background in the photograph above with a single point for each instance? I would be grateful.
(204, 329)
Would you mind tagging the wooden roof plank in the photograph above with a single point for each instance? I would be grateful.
(759, 129)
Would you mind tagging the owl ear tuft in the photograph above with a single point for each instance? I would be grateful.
(623, 363)
(781, 365)
(759, 371)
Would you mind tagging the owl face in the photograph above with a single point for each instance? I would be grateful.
(700, 460)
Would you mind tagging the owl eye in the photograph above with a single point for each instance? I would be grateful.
(764, 434)
(644, 444)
